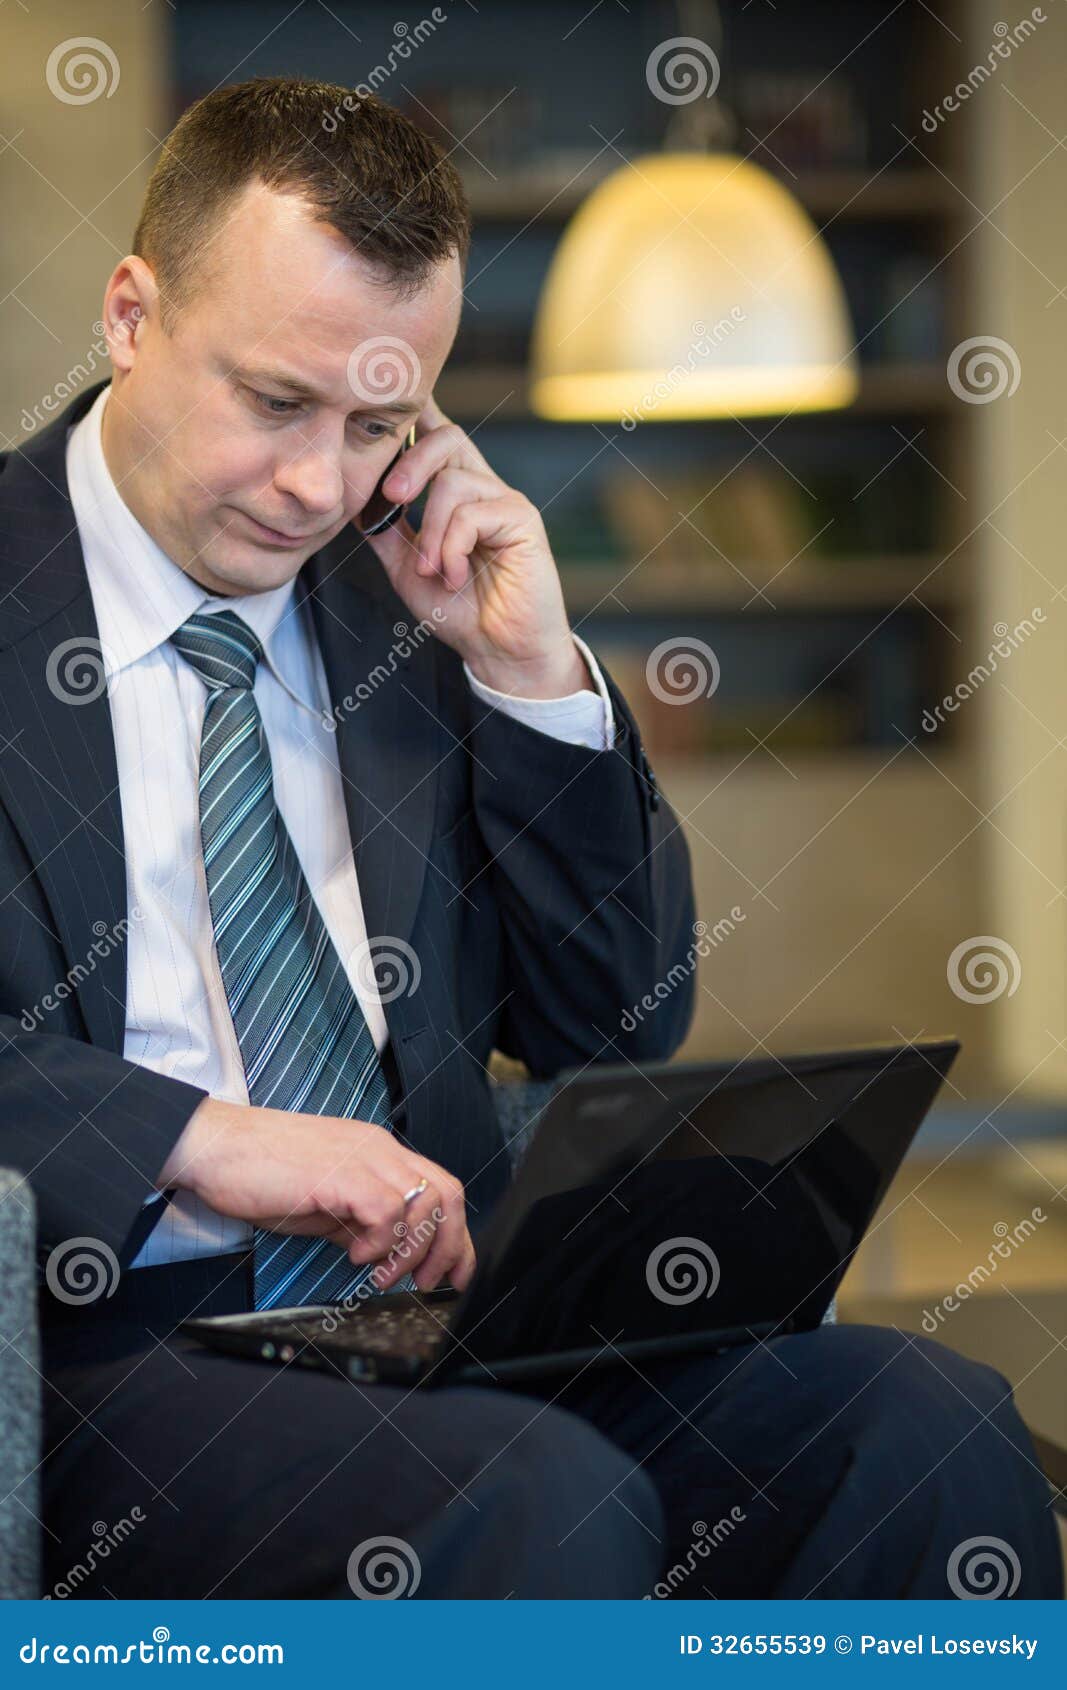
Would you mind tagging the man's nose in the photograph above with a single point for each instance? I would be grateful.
(314, 477)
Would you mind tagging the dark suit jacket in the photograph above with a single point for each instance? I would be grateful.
(544, 887)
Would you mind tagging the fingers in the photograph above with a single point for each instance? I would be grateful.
(496, 523)
(451, 1244)
(462, 1274)
(436, 444)
(413, 1236)
(380, 1230)
(427, 1237)
(449, 489)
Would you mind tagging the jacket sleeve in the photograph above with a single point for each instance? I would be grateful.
(88, 1130)
(591, 875)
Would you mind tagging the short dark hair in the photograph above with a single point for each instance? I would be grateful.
(364, 168)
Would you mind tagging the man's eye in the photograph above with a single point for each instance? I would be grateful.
(385, 431)
(267, 402)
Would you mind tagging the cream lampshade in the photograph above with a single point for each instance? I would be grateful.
(691, 284)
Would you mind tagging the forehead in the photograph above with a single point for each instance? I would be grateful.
(285, 285)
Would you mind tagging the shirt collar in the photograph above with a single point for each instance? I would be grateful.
(141, 596)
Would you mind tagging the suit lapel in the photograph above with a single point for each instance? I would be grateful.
(390, 741)
(58, 778)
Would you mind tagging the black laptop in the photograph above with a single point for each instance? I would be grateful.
(671, 1209)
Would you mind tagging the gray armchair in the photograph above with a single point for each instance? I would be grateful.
(519, 1105)
(20, 1419)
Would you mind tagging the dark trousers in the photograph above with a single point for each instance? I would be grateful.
(845, 1462)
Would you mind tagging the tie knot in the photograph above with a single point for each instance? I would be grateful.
(221, 648)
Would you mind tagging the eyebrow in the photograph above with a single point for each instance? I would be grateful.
(301, 390)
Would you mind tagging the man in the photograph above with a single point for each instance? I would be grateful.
(299, 760)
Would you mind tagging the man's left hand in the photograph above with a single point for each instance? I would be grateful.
(481, 560)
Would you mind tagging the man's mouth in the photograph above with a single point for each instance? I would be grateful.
(276, 536)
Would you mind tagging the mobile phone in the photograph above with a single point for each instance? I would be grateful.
(379, 513)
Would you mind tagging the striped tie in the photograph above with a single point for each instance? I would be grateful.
(304, 1042)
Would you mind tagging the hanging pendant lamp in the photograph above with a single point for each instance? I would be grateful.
(691, 283)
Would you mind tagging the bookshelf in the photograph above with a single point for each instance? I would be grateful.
(853, 851)
(828, 559)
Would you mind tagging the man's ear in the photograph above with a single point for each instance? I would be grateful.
(131, 296)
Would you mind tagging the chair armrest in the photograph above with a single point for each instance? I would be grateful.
(20, 1392)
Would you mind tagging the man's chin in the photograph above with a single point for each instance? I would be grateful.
(235, 567)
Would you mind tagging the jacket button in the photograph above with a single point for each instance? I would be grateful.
(650, 779)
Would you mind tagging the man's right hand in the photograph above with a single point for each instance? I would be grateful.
(322, 1176)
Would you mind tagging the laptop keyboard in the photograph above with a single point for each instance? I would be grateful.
(410, 1331)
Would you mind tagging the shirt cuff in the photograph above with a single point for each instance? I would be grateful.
(581, 718)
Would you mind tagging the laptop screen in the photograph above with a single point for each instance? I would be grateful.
(687, 1197)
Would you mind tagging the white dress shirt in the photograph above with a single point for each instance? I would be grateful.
(177, 1018)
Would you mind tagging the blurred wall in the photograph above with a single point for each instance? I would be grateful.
(71, 180)
(1020, 262)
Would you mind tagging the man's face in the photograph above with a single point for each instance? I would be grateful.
(215, 455)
